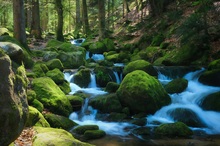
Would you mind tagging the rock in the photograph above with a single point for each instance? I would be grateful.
(116, 117)
(56, 137)
(38, 105)
(55, 63)
(176, 85)
(35, 118)
(112, 57)
(211, 102)
(51, 96)
(82, 78)
(140, 65)
(56, 75)
(94, 134)
(173, 130)
(57, 121)
(65, 87)
(49, 55)
(214, 65)
(13, 100)
(97, 48)
(84, 128)
(151, 53)
(112, 87)
(76, 102)
(40, 69)
(106, 103)
(110, 46)
(141, 92)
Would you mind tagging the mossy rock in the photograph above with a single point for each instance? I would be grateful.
(35, 118)
(187, 116)
(151, 54)
(214, 65)
(56, 137)
(112, 87)
(65, 87)
(31, 95)
(140, 65)
(97, 48)
(38, 105)
(51, 96)
(94, 134)
(173, 130)
(57, 121)
(176, 85)
(49, 55)
(104, 75)
(4, 31)
(112, 57)
(82, 129)
(211, 102)
(56, 75)
(210, 77)
(116, 117)
(110, 46)
(157, 40)
(76, 102)
(53, 43)
(82, 78)
(143, 131)
(139, 122)
(54, 63)
(106, 103)
(141, 92)
(40, 69)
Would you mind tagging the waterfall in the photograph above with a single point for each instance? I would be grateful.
(118, 80)
(93, 81)
(190, 99)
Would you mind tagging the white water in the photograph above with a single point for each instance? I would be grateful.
(95, 57)
(118, 79)
(189, 99)
(77, 42)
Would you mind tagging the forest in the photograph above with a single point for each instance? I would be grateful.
(109, 72)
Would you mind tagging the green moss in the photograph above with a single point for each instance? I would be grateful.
(38, 105)
(35, 118)
(56, 75)
(97, 48)
(40, 69)
(157, 40)
(31, 95)
(177, 129)
(151, 53)
(176, 85)
(112, 57)
(210, 77)
(214, 65)
(65, 87)
(211, 102)
(21, 72)
(109, 44)
(94, 134)
(112, 87)
(103, 75)
(76, 102)
(84, 128)
(57, 121)
(82, 78)
(53, 43)
(54, 63)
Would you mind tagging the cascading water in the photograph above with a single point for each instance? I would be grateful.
(189, 99)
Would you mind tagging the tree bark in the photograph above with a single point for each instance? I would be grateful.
(85, 18)
(19, 22)
(78, 21)
(35, 23)
(59, 9)
(101, 15)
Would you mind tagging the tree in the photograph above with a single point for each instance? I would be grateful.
(85, 18)
(59, 9)
(101, 16)
(78, 21)
(35, 23)
(19, 22)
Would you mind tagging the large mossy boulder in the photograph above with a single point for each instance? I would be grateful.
(94, 134)
(56, 75)
(55, 63)
(57, 121)
(112, 87)
(35, 118)
(13, 100)
(174, 130)
(76, 101)
(142, 93)
(140, 65)
(82, 78)
(106, 103)
(40, 69)
(51, 96)
(97, 48)
(211, 102)
(56, 137)
(176, 85)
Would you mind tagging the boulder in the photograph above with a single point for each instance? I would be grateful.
(57, 121)
(94, 134)
(56, 75)
(109, 44)
(82, 78)
(76, 102)
(82, 129)
(112, 87)
(40, 69)
(56, 137)
(35, 118)
(140, 65)
(65, 87)
(176, 85)
(173, 130)
(211, 102)
(51, 96)
(97, 48)
(13, 100)
(141, 92)
(54, 63)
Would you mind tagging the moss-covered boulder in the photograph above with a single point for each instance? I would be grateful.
(112, 57)
(56, 75)
(38, 105)
(104, 75)
(31, 95)
(140, 65)
(187, 116)
(76, 102)
(4, 31)
(82, 78)
(82, 129)
(151, 53)
(35, 118)
(40, 69)
(142, 93)
(65, 87)
(56, 137)
(51, 96)
(211, 102)
(106, 103)
(109, 44)
(173, 130)
(48, 55)
(112, 87)
(116, 117)
(94, 134)
(54, 63)
(97, 48)
(176, 85)
(13, 100)
(57, 121)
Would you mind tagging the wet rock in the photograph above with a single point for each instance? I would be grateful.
(176, 86)
(211, 102)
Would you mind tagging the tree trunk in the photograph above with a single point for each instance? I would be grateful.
(45, 16)
(78, 21)
(101, 15)
(85, 18)
(35, 23)
(59, 9)
(19, 22)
